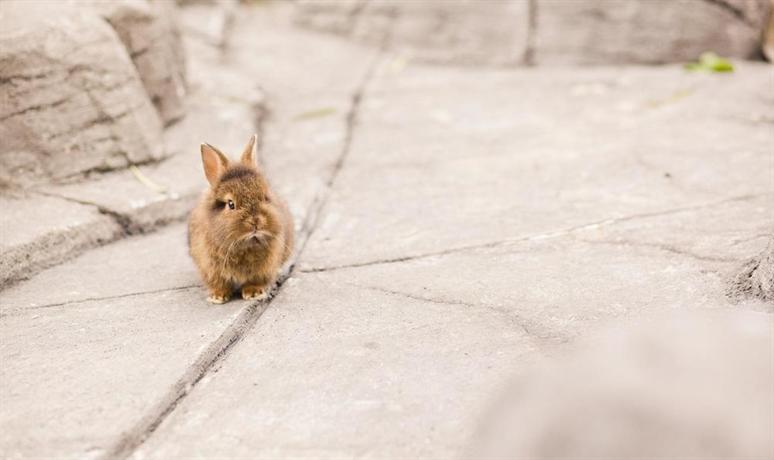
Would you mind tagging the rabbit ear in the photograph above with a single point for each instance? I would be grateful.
(249, 154)
(215, 163)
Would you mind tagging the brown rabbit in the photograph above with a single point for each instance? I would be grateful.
(241, 233)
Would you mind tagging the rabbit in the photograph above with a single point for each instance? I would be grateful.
(240, 233)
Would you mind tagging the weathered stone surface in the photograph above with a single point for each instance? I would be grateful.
(756, 278)
(410, 354)
(405, 374)
(150, 34)
(563, 150)
(610, 31)
(85, 357)
(38, 231)
(458, 32)
(516, 32)
(693, 387)
(71, 99)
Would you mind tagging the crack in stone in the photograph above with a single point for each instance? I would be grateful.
(662, 247)
(16, 311)
(532, 24)
(535, 237)
(36, 108)
(128, 227)
(512, 316)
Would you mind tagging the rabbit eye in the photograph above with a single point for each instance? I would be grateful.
(231, 204)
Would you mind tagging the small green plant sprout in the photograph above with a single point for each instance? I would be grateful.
(710, 62)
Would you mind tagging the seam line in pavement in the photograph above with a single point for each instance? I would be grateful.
(133, 438)
(512, 316)
(95, 299)
(536, 237)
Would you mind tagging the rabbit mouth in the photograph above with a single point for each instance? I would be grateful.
(257, 237)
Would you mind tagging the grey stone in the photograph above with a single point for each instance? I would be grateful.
(39, 231)
(610, 31)
(517, 32)
(411, 354)
(72, 101)
(561, 150)
(149, 32)
(756, 278)
(459, 32)
(697, 386)
(156, 262)
(336, 371)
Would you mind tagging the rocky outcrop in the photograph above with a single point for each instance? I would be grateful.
(151, 37)
(756, 279)
(609, 31)
(86, 86)
(71, 100)
(440, 32)
(522, 32)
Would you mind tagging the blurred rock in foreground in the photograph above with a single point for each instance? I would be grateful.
(693, 387)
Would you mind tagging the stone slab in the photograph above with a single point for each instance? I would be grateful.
(412, 354)
(335, 371)
(39, 231)
(475, 159)
(154, 262)
(613, 32)
(459, 32)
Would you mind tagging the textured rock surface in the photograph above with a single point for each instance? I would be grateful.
(514, 32)
(38, 231)
(756, 279)
(71, 100)
(151, 36)
(699, 386)
(441, 32)
(611, 31)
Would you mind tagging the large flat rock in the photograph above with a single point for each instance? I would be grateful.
(337, 371)
(411, 355)
(40, 231)
(476, 159)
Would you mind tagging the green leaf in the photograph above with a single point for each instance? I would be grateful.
(710, 62)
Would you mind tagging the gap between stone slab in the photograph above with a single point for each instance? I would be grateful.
(502, 311)
(96, 299)
(662, 247)
(128, 443)
(539, 236)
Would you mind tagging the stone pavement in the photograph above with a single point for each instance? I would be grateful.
(456, 226)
